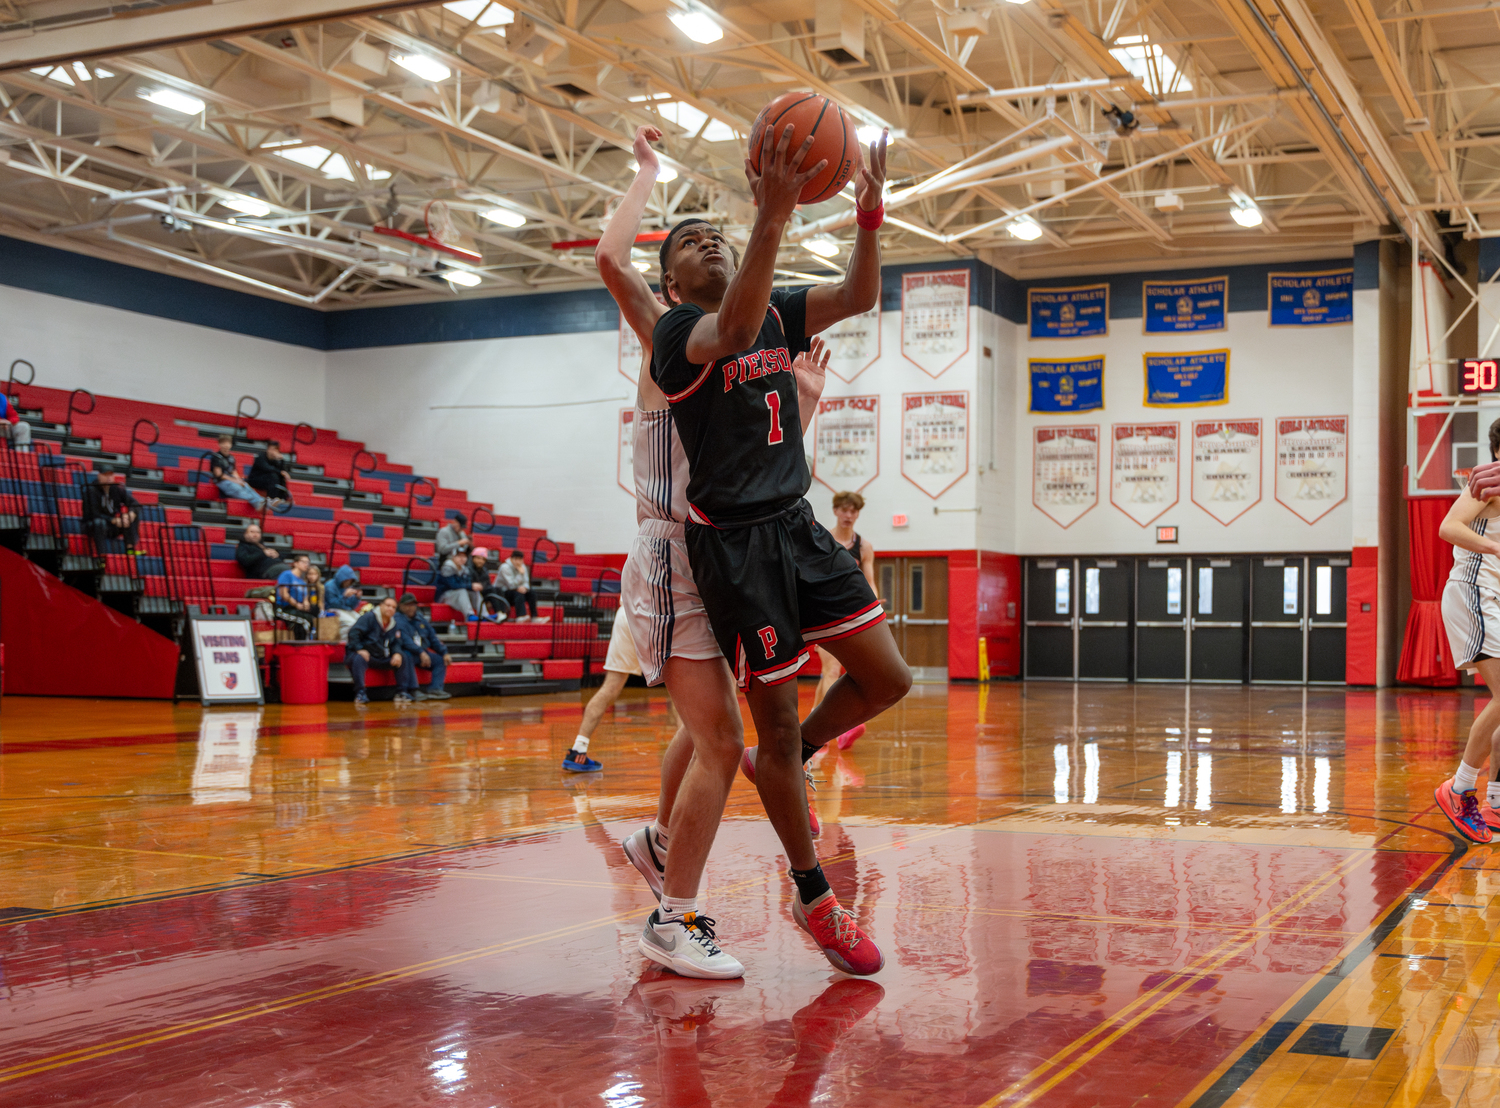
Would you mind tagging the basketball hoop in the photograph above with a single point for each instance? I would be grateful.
(437, 221)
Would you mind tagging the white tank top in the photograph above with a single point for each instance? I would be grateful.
(661, 469)
(1470, 568)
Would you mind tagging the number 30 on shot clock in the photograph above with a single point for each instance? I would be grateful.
(1480, 375)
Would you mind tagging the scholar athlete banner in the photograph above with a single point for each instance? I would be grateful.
(846, 442)
(625, 445)
(1226, 467)
(1065, 472)
(854, 344)
(1312, 464)
(1071, 313)
(935, 319)
(1143, 469)
(1076, 386)
(1171, 307)
(1187, 380)
(934, 440)
(1312, 299)
(630, 353)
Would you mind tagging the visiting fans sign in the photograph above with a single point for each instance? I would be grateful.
(1312, 465)
(854, 344)
(228, 672)
(934, 440)
(1143, 469)
(935, 319)
(1226, 467)
(846, 442)
(1065, 472)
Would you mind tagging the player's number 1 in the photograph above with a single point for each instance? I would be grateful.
(773, 401)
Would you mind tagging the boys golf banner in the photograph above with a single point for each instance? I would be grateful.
(1076, 386)
(1187, 380)
(846, 442)
(1171, 307)
(1072, 313)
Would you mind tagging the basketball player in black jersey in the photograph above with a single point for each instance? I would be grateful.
(771, 578)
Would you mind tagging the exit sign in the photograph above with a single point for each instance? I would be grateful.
(898, 519)
(1166, 534)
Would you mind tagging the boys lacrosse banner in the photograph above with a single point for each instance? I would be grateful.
(846, 442)
(935, 319)
(1065, 472)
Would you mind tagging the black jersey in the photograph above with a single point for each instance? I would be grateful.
(737, 417)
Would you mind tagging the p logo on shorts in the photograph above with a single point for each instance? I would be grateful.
(768, 640)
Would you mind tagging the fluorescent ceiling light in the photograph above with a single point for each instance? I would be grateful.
(1247, 217)
(427, 68)
(246, 204)
(482, 12)
(461, 277)
(1015, 1)
(1025, 229)
(376, 174)
(642, 265)
(869, 133)
(822, 246)
(320, 158)
(172, 100)
(697, 26)
(690, 119)
(506, 217)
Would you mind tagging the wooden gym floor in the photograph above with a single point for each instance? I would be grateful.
(1087, 895)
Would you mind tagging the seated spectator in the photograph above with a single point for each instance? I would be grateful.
(268, 474)
(257, 559)
(452, 537)
(344, 600)
(420, 646)
(293, 603)
(515, 579)
(457, 589)
(375, 643)
(226, 474)
(12, 426)
(110, 512)
(317, 592)
(493, 598)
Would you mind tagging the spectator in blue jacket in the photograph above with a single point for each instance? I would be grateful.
(421, 647)
(343, 599)
(457, 588)
(375, 643)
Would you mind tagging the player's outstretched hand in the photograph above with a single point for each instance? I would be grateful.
(870, 187)
(645, 156)
(811, 367)
(778, 185)
(1484, 481)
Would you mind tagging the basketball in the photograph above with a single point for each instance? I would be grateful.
(834, 138)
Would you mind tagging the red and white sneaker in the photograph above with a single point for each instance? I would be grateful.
(1462, 810)
(846, 740)
(839, 937)
(747, 767)
(1490, 816)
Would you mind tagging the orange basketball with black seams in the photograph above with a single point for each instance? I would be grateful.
(834, 138)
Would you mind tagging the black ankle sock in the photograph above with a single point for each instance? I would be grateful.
(808, 752)
(811, 883)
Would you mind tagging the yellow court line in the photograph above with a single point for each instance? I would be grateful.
(159, 853)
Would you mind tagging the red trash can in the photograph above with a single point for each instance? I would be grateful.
(304, 673)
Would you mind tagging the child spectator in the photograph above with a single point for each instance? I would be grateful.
(493, 598)
(317, 592)
(293, 603)
(343, 599)
(515, 579)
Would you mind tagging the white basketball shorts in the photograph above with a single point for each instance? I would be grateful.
(1471, 616)
(660, 601)
(621, 656)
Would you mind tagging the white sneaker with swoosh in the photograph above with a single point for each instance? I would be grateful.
(686, 945)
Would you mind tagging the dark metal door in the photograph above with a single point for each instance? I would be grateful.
(1104, 603)
(1219, 646)
(1161, 613)
(1278, 627)
(1051, 634)
(1327, 618)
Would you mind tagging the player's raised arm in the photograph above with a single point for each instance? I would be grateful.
(638, 304)
(859, 291)
(811, 370)
(1455, 527)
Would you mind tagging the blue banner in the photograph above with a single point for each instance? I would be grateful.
(1068, 313)
(1173, 306)
(1186, 380)
(1312, 299)
(1076, 386)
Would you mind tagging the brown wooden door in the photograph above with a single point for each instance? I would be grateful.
(915, 594)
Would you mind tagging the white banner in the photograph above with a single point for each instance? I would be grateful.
(846, 437)
(625, 464)
(226, 755)
(227, 669)
(1312, 464)
(630, 353)
(934, 440)
(935, 319)
(1226, 467)
(1065, 472)
(1143, 469)
(853, 344)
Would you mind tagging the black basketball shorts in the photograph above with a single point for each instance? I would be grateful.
(773, 588)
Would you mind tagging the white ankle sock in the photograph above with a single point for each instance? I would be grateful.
(674, 907)
(1465, 777)
(659, 834)
(581, 744)
(1494, 794)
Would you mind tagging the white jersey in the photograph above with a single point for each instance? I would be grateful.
(1479, 570)
(661, 468)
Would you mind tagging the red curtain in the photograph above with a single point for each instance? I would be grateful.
(1425, 657)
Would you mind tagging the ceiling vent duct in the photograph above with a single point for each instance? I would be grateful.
(840, 36)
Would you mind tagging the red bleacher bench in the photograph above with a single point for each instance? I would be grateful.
(562, 669)
(524, 651)
(459, 673)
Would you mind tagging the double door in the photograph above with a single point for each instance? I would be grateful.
(1078, 618)
(1192, 615)
(914, 592)
(1298, 619)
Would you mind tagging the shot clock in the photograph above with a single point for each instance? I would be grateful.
(1479, 376)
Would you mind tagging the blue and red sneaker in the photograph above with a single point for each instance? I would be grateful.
(579, 762)
(1462, 810)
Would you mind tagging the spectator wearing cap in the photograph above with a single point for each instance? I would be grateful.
(226, 474)
(110, 512)
(451, 538)
(479, 570)
(515, 580)
(457, 588)
(268, 474)
(259, 560)
(12, 426)
(375, 643)
(421, 648)
(294, 604)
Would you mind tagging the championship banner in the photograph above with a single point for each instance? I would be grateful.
(226, 756)
(1312, 465)
(935, 319)
(625, 441)
(1187, 380)
(1071, 313)
(1066, 386)
(630, 353)
(1312, 299)
(854, 344)
(846, 442)
(1065, 472)
(1171, 307)
(1226, 467)
(1143, 469)
(228, 672)
(934, 440)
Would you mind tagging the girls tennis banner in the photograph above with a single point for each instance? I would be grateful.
(1312, 299)
(1066, 386)
(934, 440)
(935, 319)
(854, 344)
(1312, 465)
(1065, 472)
(1171, 307)
(1143, 469)
(846, 442)
(1226, 467)
(630, 353)
(1072, 313)
(1187, 380)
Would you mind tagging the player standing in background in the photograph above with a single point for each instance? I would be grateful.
(771, 578)
(846, 508)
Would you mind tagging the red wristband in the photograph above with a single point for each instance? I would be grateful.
(870, 220)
